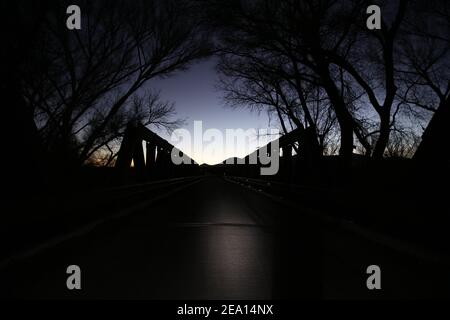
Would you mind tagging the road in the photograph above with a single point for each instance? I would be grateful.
(218, 240)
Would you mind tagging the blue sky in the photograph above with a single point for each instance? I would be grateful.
(197, 99)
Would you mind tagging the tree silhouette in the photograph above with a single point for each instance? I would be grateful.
(371, 79)
(84, 89)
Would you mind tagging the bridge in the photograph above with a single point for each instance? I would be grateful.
(157, 163)
(221, 232)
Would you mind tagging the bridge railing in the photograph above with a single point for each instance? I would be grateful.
(157, 162)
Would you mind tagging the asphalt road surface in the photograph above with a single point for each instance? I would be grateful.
(218, 240)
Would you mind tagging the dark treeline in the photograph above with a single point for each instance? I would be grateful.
(68, 95)
(83, 87)
(316, 64)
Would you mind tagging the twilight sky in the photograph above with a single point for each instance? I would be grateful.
(197, 99)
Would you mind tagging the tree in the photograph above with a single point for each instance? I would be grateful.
(293, 40)
(146, 109)
(246, 82)
(425, 68)
(370, 77)
(82, 90)
(366, 56)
